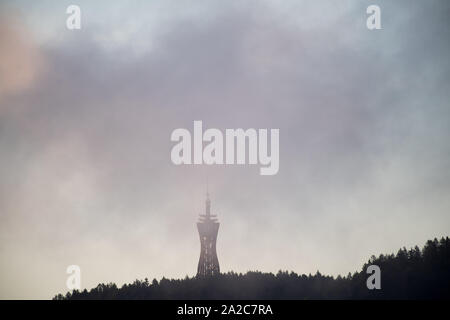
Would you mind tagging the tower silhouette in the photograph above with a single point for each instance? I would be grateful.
(208, 227)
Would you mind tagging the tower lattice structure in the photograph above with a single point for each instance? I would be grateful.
(208, 227)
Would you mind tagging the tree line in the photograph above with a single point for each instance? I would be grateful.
(409, 274)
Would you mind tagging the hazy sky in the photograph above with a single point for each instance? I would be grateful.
(86, 117)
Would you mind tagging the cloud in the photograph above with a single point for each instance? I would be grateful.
(20, 60)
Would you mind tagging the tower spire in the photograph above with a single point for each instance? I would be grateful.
(208, 204)
(208, 201)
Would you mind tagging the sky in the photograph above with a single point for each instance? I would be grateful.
(86, 117)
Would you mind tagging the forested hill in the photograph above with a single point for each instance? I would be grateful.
(409, 274)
